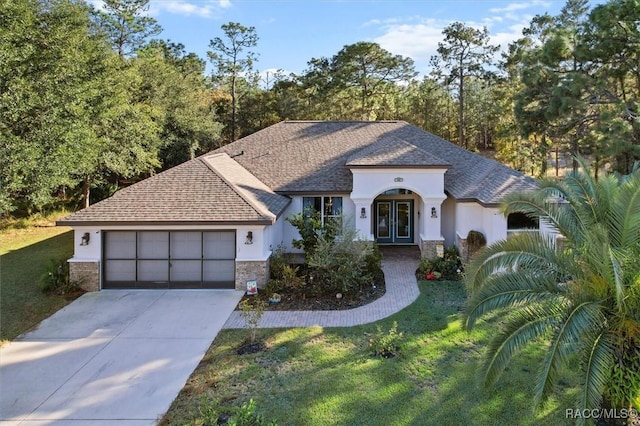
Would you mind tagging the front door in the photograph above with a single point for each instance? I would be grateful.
(394, 221)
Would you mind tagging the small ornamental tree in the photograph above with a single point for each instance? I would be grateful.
(310, 227)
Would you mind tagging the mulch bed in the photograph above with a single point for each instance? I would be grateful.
(299, 301)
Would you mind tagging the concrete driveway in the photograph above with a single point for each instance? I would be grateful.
(110, 356)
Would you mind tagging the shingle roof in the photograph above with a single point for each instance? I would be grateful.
(193, 192)
(394, 152)
(296, 157)
(315, 156)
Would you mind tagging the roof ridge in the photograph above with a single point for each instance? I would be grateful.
(260, 209)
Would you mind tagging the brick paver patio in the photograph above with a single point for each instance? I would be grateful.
(399, 265)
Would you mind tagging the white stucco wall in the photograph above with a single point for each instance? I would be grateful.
(488, 220)
(428, 184)
(449, 221)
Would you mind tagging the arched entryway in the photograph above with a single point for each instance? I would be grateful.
(394, 218)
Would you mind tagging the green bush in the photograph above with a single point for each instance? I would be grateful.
(426, 266)
(277, 263)
(251, 311)
(341, 263)
(449, 266)
(55, 280)
(386, 344)
(311, 229)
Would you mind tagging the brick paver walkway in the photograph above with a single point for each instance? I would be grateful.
(399, 265)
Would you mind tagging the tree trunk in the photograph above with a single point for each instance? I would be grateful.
(86, 190)
(461, 111)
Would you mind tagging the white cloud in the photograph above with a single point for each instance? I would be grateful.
(418, 41)
(513, 7)
(200, 8)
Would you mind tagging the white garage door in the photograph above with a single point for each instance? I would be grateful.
(169, 259)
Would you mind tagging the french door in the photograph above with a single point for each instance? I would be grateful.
(394, 221)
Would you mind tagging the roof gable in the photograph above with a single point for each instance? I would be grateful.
(189, 193)
(394, 152)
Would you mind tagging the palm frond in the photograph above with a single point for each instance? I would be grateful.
(577, 321)
(598, 356)
(511, 290)
(521, 328)
(624, 215)
(529, 250)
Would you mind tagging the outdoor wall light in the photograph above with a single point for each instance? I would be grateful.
(249, 239)
(363, 213)
(434, 212)
(84, 241)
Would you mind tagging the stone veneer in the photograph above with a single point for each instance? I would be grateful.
(428, 248)
(86, 274)
(251, 270)
(463, 248)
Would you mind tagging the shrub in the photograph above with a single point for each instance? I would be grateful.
(291, 279)
(386, 344)
(475, 241)
(277, 263)
(252, 311)
(341, 264)
(449, 266)
(55, 280)
(311, 229)
(426, 266)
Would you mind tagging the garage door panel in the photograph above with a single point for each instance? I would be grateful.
(153, 270)
(186, 270)
(219, 245)
(121, 270)
(218, 270)
(153, 245)
(120, 245)
(186, 245)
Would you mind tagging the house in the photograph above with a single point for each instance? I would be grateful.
(213, 221)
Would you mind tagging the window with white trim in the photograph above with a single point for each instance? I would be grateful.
(328, 207)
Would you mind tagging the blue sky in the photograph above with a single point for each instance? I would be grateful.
(292, 32)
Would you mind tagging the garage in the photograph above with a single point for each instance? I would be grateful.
(169, 259)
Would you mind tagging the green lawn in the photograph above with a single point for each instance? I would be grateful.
(316, 376)
(24, 255)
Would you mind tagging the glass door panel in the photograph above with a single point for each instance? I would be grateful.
(384, 222)
(403, 224)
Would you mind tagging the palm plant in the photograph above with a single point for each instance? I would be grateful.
(577, 292)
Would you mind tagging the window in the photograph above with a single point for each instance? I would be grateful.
(397, 191)
(329, 207)
(520, 222)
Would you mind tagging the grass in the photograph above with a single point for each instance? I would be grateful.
(26, 247)
(316, 376)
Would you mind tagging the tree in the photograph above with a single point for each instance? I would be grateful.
(232, 62)
(371, 69)
(125, 23)
(465, 51)
(581, 297)
(174, 85)
(53, 88)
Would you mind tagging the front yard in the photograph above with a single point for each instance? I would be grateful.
(315, 376)
(24, 255)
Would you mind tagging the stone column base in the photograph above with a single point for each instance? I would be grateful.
(86, 274)
(463, 248)
(428, 248)
(251, 270)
